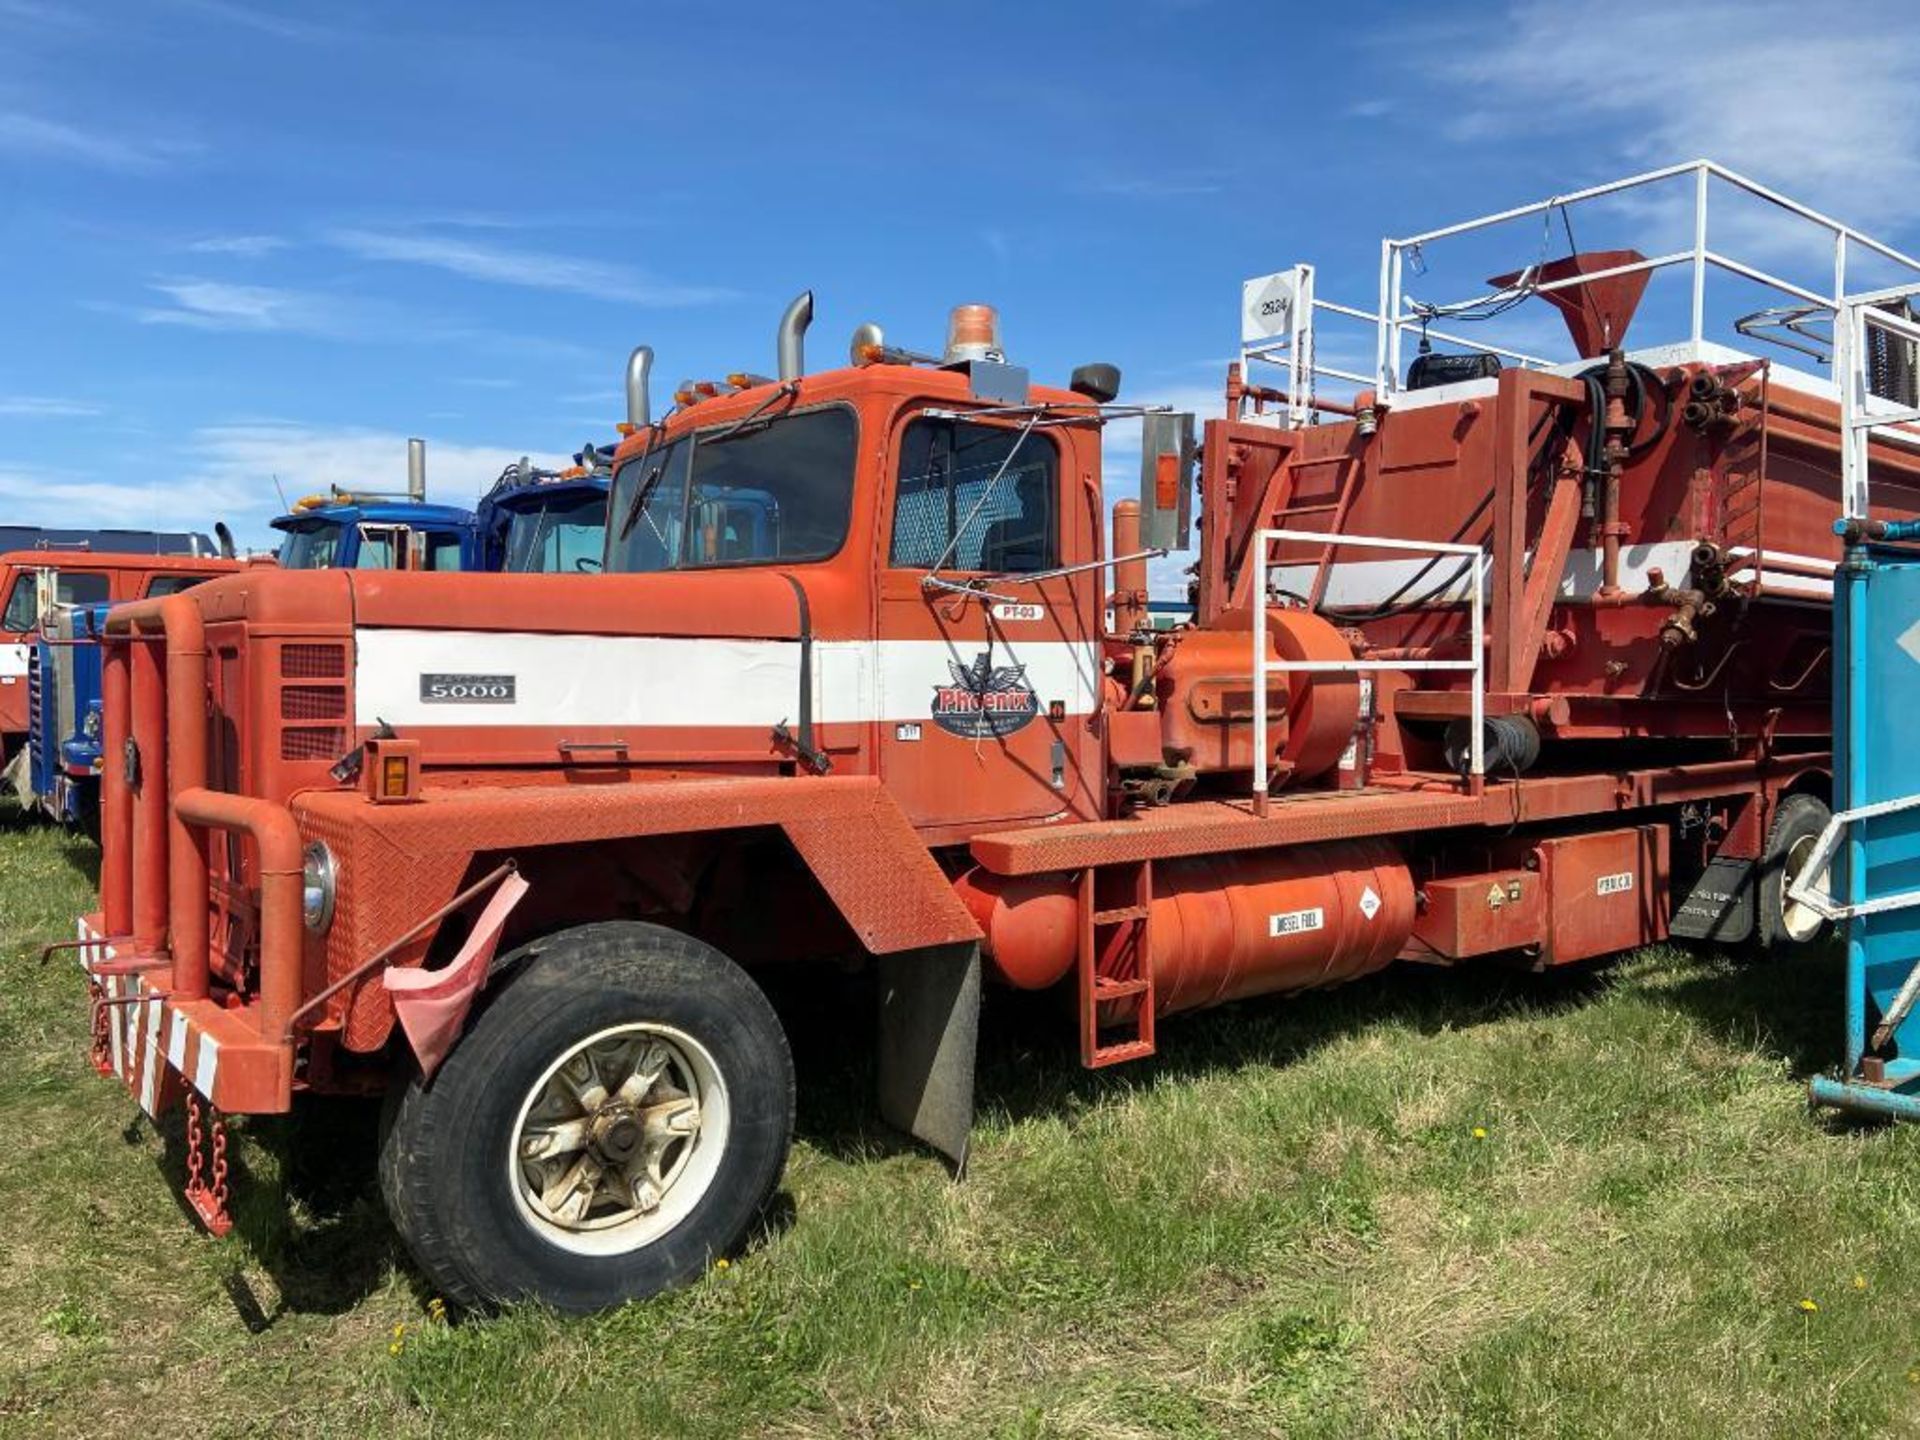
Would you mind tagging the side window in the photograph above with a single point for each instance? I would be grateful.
(975, 497)
(19, 614)
(22, 611)
(442, 551)
(71, 589)
(377, 548)
(173, 584)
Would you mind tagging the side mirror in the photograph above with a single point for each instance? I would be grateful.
(1166, 480)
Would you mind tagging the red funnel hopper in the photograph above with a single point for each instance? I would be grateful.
(1597, 312)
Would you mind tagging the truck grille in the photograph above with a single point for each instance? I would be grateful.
(310, 702)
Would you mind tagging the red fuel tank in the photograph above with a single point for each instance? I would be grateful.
(1223, 926)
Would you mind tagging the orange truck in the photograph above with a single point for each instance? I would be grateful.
(31, 580)
(1520, 665)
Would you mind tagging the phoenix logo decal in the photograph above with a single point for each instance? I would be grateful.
(985, 701)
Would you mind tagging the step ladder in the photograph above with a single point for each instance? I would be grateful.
(1115, 963)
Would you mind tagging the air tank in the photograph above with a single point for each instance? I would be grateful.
(1223, 927)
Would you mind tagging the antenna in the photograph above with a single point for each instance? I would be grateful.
(281, 493)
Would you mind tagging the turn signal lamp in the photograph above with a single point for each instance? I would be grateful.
(973, 333)
(392, 770)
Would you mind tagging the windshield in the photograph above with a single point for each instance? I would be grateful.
(566, 533)
(772, 493)
(310, 547)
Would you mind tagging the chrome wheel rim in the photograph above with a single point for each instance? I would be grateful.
(1801, 922)
(619, 1139)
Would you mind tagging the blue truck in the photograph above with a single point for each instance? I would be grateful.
(63, 717)
(535, 521)
(352, 530)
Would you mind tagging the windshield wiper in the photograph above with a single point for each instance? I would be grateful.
(642, 493)
(932, 579)
(785, 392)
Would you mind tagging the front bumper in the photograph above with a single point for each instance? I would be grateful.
(161, 1047)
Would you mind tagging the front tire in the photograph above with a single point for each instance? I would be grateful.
(1782, 929)
(614, 1119)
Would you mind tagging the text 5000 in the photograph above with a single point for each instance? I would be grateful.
(466, 689)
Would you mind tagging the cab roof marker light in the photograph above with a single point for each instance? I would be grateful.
(747, 380)
(684, 394)
(973, 333)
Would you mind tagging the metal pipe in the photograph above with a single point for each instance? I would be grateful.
(639, 402)
(277, 839)
(116, 799)
(186, 770)
(416, 470)
(1129, 570)
(149, 800)
(790, 342)
(1282, 397)
(1619, 426)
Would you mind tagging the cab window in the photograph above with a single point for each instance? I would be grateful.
(441, 552)
(975, 497)
(173, 584)
(767, 492)
(378, 548)
(69, 588)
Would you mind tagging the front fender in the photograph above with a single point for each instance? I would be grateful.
(400, 862)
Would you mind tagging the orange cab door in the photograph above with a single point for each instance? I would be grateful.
(986, 695)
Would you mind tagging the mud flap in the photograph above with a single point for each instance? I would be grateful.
(1721, 907)
(929, 1021)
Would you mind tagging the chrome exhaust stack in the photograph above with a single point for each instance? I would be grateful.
(639, 401)
(416, 470)
(790, 348)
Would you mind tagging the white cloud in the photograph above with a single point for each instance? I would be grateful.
(1155, 187)
(45, 407)
(37, 137)
(245, 246)
(216, 305)
(264, 22)
(1827, 111)
(534, 269)
(229, 470)
(35, 495)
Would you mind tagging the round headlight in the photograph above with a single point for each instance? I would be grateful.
(317, 887)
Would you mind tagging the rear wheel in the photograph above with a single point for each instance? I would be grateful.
(1782, 926)
(612, 1121)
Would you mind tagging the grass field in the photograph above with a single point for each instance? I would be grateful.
(1430, 1204)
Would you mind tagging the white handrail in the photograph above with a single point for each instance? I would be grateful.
(1263, 541)
(1700, 258)
(1862, 412)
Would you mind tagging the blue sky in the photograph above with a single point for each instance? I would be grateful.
(241, 239)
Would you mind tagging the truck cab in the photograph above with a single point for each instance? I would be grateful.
(32, 581)
(350, 532)
(535, 521)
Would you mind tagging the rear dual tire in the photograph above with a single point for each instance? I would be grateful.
(614, 1119)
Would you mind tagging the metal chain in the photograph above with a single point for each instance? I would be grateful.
(193, 1142)
(219, 1165)
(102, 1041)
